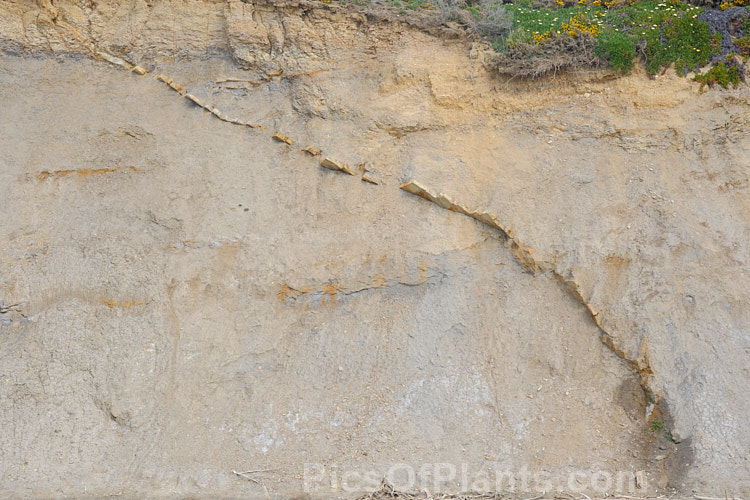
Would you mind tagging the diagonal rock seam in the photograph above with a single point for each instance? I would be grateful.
(278, 136)
(523, 254)
(524, 257)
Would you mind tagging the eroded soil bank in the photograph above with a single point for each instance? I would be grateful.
(182, 296)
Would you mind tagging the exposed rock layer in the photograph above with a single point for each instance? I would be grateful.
(183, 296)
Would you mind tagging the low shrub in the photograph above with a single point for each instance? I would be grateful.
(682, 40)
(743, 46)
(570, 33)
(495, 20)
(721, 73)
(664, 33)
(618, 49)
(452, 10)
(531, 60)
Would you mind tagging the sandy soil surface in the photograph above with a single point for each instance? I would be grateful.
(190, 307)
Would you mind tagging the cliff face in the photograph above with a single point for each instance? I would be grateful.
(183, 296)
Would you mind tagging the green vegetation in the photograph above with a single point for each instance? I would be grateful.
(534, 37)
(722, 73)
(407, 5)
(618, 49)
(664, 33)
(743, 44)
(473, 10)
(657, 426)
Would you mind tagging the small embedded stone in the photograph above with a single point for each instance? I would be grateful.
(194, 99)
(335, 165)
(640, 479)
(368, 173)
(368, 178)
(282, 138)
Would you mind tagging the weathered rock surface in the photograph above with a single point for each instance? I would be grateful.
(331, 164)
(182, 297)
